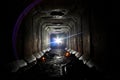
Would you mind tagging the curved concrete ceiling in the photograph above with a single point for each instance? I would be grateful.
(58, 29)
(56, 20)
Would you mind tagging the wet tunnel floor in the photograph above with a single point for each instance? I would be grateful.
(55, 62)
(56, 66)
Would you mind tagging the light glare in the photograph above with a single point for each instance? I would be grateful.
(58, 40)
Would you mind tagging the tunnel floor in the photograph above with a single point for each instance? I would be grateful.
(54, 65)
(56, 60)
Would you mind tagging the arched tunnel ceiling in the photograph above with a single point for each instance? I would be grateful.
(57, 29)
(61, 21)
(46, 6)
(58, 26)
(58, 12)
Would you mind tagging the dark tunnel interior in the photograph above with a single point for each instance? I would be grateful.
(59, 39)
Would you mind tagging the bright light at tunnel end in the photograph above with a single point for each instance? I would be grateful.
(58, 40)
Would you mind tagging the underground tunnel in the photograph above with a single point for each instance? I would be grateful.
(58, 40)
